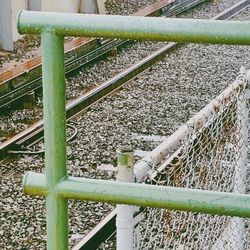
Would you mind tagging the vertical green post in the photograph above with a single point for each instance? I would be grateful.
(55, 138)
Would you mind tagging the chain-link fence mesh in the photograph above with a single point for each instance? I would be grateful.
(213, 156)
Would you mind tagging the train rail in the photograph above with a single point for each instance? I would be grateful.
(26, 77)
(106, 228)
(110, 226)
(35, 132)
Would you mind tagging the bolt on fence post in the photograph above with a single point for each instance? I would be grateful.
(55, 138)
(124, 219)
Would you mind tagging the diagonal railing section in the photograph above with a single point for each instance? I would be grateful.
(210, 153)
(55, 184)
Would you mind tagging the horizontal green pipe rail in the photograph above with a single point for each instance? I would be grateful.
(142, 195)
(138, 28)
(55, 184)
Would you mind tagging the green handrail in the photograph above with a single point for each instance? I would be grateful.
(55, 183)
(185, 199)
(138, 28)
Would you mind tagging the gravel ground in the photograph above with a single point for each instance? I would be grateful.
(95, 74)
(121, 119)
(127, 7)
(14, 121)
(25, 48)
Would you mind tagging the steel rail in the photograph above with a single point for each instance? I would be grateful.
(80, 52)
(173, 198)
(136, 28)
(104, 230)
(55, 183)
(109, 222)
(26, 77)
(35, 132)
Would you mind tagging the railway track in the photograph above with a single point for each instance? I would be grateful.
(17, 82)
(34, 133)
(107, 227)
(99, 231)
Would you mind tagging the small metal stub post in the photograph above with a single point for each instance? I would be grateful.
(124, 219)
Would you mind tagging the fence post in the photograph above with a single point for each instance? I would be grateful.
(242, 124)
(233, 236)
(124, 219)
(236, 234)
(55, 138)
(238, 224)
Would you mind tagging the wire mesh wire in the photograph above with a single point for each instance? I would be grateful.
(213, 156)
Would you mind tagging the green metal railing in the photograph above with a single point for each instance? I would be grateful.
(55, 184)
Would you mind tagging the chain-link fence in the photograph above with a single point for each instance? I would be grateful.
(213, 156)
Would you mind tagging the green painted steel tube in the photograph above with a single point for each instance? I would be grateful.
(55, 138)
(133, 27)
(144, 195)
